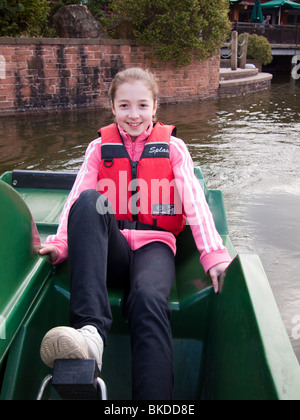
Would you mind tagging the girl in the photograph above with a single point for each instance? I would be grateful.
(119, 226)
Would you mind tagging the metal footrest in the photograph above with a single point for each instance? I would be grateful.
(75, 380)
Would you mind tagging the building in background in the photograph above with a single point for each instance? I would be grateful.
(241, 10)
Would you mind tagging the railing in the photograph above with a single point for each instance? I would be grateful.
(237, 51)
(276, 34)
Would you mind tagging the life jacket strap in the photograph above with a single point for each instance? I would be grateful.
(136, 225)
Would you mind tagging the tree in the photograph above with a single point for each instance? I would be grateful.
(23, 17)
(177, 30)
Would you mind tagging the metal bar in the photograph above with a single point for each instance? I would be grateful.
(43, 387)
(103, 388)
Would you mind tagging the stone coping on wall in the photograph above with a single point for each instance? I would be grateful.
(238, 86)
(66, 41)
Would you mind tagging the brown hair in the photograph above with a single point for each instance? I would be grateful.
(131, 75)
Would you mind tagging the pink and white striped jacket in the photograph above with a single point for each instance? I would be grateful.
(207, 239)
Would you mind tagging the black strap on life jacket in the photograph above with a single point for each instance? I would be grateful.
(136, 225)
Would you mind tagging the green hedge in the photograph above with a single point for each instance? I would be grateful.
(260, 49)
(177, 30)
(23, 17)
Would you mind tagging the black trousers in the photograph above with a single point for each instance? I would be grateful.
(99, 256)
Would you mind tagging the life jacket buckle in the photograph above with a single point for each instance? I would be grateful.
(108, 163)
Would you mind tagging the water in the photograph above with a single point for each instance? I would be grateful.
(249, 147)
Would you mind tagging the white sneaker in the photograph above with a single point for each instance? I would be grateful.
(68, 343)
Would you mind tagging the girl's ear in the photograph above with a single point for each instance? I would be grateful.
(112, 108)
(155, 108)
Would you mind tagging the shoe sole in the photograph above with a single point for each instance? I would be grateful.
(62, 343)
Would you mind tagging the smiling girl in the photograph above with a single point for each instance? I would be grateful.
(127, 236)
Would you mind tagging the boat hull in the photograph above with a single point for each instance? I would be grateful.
(227, 346)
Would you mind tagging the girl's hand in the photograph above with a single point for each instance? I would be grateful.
(215, 272)
(51, 250)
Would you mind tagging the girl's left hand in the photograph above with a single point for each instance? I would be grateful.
(215, 272)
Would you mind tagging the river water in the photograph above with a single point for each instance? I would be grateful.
(249, 147)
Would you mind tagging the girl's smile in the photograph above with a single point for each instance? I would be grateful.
(134, 107)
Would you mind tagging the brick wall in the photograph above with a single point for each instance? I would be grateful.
(56, 74)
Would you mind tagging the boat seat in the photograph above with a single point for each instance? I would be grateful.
(188, 269)
(117, 296)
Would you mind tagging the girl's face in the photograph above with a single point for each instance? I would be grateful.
(134, 107)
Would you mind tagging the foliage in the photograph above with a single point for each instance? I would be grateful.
(95, 7)
(259, 49)
(23, 17)
(177, 30)
(34, 17)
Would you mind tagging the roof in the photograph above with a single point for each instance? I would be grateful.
(281, 3)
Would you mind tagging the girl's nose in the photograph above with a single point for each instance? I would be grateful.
(133, 113)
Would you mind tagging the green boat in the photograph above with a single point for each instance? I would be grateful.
(230, 346)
